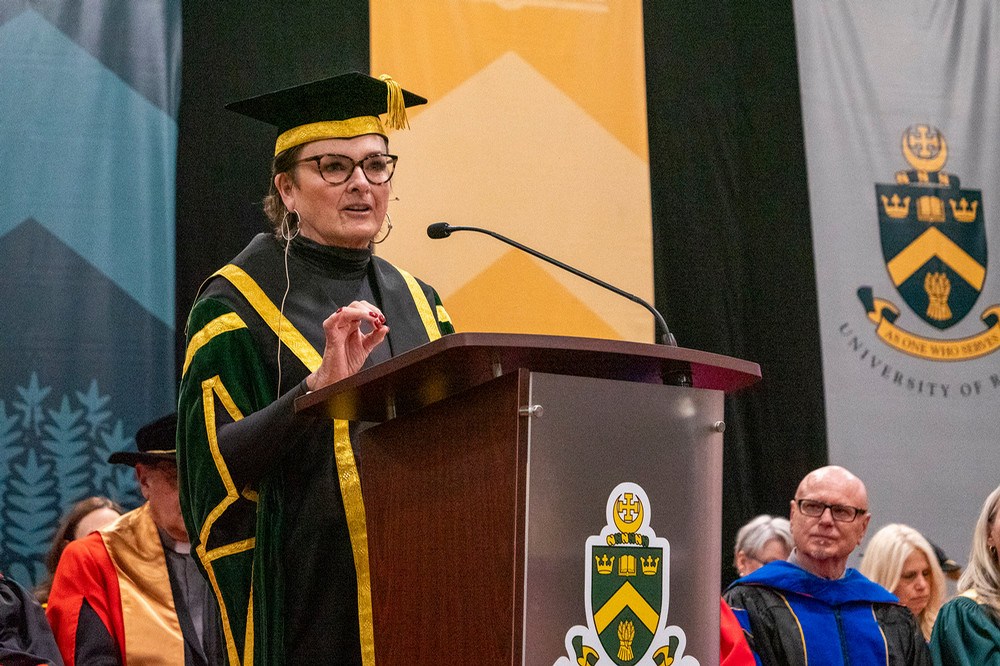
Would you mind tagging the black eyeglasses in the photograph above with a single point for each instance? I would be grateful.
(842, 513)
(337, 169)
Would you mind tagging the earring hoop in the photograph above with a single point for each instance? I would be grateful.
(285, 228)
(387, 231)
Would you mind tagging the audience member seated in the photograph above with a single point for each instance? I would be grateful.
(761, 541)
(967, 632)
(130, 593)
(902, 561)
(812, 609)
(25, 637)
(85, 517)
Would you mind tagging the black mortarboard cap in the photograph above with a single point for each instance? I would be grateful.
(342, 106)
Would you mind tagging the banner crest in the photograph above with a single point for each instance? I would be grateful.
(933, 239)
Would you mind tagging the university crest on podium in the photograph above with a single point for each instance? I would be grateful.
(934, 245)
(626, 592)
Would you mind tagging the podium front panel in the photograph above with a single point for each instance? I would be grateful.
(589, 438)
(489, 514)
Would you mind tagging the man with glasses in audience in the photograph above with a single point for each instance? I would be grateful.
(812, 609)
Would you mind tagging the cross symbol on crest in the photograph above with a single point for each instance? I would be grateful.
(628, 508)
(925, 145)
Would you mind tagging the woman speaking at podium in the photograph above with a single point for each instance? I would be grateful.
(272, 499)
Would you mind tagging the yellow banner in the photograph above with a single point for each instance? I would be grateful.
(535, 129)
(959, 349)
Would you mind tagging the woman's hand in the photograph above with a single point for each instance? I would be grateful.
(347, 343)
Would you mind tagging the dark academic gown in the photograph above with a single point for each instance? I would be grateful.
(25, 636)
(273, 500)
(793, 618)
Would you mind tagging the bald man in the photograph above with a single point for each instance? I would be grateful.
(812, 609)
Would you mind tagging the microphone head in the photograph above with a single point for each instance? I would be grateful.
(439, 230)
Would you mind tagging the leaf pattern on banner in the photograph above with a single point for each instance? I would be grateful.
(94, 403)
(50, 458)
(8, 449)
(31, 403)
(115, 481)
(31, 507)
(68, 452)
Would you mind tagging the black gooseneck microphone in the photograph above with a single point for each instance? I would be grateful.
(443, 230)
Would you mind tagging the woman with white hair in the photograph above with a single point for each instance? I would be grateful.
(762, 540)
(902, 561)
(968, 627)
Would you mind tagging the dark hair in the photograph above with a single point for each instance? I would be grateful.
(274, 207)
(65, 533)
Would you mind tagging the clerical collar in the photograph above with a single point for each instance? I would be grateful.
(182, 547)
(342, 263)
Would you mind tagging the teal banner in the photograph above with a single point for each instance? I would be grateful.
(88, 134)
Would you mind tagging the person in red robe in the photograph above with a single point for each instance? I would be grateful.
(733, 647)
(130, 593)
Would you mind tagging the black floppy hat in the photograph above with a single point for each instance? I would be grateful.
(338, 107)
(156, 442)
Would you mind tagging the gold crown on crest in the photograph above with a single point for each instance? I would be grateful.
(605, 564)
(963, 212)
(895, 209)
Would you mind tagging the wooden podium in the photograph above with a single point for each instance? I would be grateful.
(491, 464)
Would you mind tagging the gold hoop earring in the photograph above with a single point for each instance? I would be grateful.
(387, 231)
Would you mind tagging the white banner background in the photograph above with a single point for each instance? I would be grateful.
(869, 70)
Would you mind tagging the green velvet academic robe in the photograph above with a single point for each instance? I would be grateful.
(271, 499)
(965, 634)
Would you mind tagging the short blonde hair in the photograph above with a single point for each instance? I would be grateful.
(883, 561)
(983, 572)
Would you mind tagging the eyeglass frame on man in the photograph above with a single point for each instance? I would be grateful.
(832, 507)
(355, 164)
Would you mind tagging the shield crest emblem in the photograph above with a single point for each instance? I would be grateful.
(626, 598)
(932, 233)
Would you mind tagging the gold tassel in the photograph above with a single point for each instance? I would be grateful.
(396, 108)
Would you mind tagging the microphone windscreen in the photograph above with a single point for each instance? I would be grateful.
(438, 230)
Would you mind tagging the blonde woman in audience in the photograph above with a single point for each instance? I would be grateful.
(902, 561)
(761, 541)
(967, 632)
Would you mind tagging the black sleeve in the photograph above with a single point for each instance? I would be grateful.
(25, 636)
(907, 646)
(94, 643)
(752, 606)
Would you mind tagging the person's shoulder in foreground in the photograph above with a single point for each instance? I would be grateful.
(25, 636)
